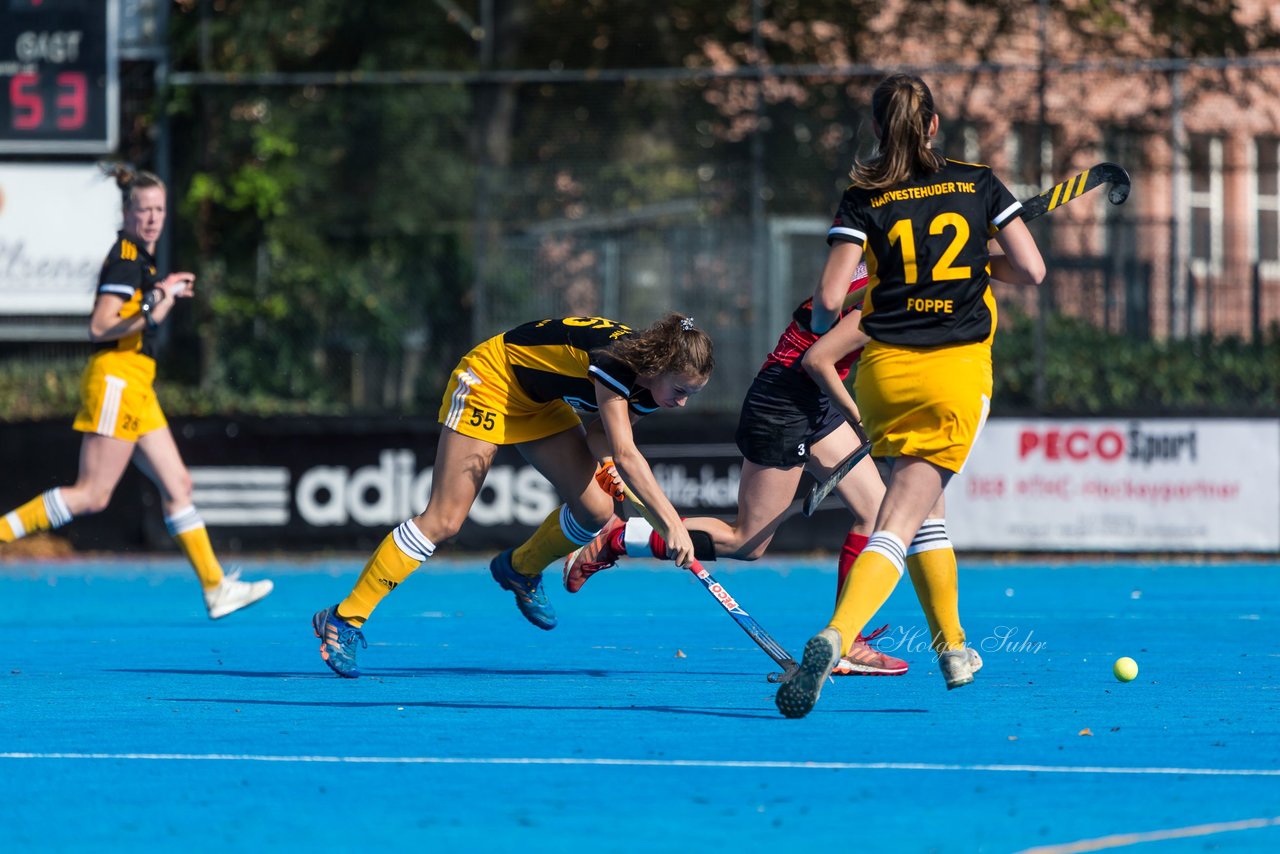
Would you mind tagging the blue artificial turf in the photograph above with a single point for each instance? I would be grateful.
(642, 723)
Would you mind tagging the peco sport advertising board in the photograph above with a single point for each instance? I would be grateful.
(1168, 485)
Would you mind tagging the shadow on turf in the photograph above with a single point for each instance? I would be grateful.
(415, 671)
(421, 671)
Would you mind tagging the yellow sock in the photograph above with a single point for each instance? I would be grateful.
(42, 513)
(558, 535)
(196, 546)
(933, 574)
(186, 526)
(871, 579)
(394, 560)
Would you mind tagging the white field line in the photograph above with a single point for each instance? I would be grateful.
(648, 763)
(1121, 840)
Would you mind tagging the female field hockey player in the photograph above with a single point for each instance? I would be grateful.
(922, 223)
(119, 415)
(522, 388)
(786, 424)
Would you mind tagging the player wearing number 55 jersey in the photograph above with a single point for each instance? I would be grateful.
(922, 223)
(525, 387)
(527, 383)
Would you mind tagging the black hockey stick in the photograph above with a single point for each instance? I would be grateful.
(1076, 186)
(824, 487)
(1033, 208)
(744, 620)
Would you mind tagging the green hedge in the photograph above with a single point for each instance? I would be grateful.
(1087, 372)
(1091, 372)
(51, 389)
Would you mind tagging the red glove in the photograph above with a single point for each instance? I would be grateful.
(609, 480)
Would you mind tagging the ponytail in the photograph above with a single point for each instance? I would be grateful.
(129, 178)
(902, 106)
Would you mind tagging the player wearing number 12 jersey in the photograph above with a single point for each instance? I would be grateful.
(922, 224)
(525, 387)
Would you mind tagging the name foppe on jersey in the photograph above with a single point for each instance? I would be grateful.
(942, 188)
(1108, 444)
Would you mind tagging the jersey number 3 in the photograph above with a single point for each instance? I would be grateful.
(943, 271)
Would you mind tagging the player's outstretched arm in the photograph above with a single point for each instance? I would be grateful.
(820, 362)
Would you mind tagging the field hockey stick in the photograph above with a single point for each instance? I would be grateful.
(744, 620)
(1076, 186)
(825, 487)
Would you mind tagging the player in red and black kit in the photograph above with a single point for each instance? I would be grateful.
(787, 424)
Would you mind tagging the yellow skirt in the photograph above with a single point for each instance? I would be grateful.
(483, 400)
(117, 396)
(929, 403)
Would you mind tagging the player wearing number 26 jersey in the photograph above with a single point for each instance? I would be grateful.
(120, 419)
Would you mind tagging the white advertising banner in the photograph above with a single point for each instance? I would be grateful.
(1198, 485)
(57, 222)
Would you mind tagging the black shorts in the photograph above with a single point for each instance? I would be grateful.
(783, 416)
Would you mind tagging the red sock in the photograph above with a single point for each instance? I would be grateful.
(853, 546)
(616, 542)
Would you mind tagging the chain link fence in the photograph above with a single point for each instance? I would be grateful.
(412, 217)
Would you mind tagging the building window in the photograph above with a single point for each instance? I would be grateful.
(1025, 175)
(1206, 204)
(959, 141)
(1118, 224)
(1266, 191)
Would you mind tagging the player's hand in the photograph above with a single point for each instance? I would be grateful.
(609, 480)
(680, 546)
(179, 285)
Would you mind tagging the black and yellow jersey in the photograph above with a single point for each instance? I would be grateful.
(560, 358)
(925, 243)
(128, 272)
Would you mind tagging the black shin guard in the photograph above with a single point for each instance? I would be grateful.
(704, 548)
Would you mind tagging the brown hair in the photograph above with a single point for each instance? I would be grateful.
(129, 179)
(673, 345)
(903, 108)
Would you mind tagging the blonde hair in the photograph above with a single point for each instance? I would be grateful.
(673, 345)
(902, 106)
(129, 179)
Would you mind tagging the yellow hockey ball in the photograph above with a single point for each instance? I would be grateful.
(1125, 669)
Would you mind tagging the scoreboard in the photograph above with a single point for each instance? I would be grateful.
(59, 86)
